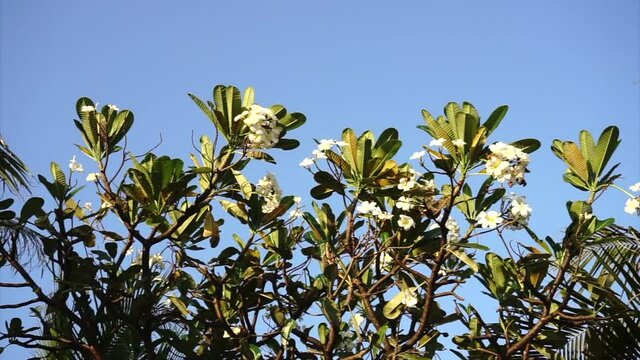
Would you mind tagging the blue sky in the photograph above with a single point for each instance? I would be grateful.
(560, 66)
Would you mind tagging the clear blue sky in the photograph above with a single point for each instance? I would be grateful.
(560, 66)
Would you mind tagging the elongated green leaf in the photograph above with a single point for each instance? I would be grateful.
(495, 118)
(249, 97)
(573, 157)
(607, 144)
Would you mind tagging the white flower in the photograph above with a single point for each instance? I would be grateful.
(409, 298)
(635, 187)
(386, 261)
(384, 216)
(459, 142)
(130, 251)
(406, 184)
(307, 162)
(87, 206)
(264, 130)
(87, 108)
(297, 199)
(437, 142)
(429, 185)
(357, 320)
(156, 260)
(319, 154)
(454, 230)
(520, 209)
(268, 188)
(406, 222)
(92, 177)
(489, 219)
(507, 163)
(368, 207)
(342, 143)
(113, 107)
(404, 203)
(417, 155)
(326, 144)
(75, 166)
(632, 206)
(497, 168)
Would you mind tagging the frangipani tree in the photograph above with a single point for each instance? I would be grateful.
(372, 273)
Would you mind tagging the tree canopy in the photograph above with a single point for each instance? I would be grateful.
(188, 259)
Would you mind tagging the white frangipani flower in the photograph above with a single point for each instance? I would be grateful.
(319, 154)
(326, 144)
(635, 187)
(632, 206)
(386, 261)
(429, 185)
(269, 189)
(417, 155)
(307, 162)
(157, 259)
(520, 209)
(87, 206)
(406, 222)
(507, 163)
(341, 143)
(406, 184)
(404, 203)
(437, 142)
(409, 298)
(113, 107)
(264, 129)
(368, 208)
(454, 230)
(489, 219)
(459, 142)
(75, 166)
(384, 216)
(92, 177)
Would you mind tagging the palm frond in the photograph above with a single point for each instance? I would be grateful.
(14, 174)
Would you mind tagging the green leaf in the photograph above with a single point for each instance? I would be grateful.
(495, 118)
(527, 145)
(574, 158)
(330, 311)
(607, 144)
(249, 97)
(498, 272)
(58, 175)
(465, 258)
(394, 307)
(179, 305)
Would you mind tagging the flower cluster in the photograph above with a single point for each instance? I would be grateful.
(264, 130)
(632, 206)
(269, 189)
(370, 208)
(319, 152)
(454, 230)
(519, 212)
(507, 163)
